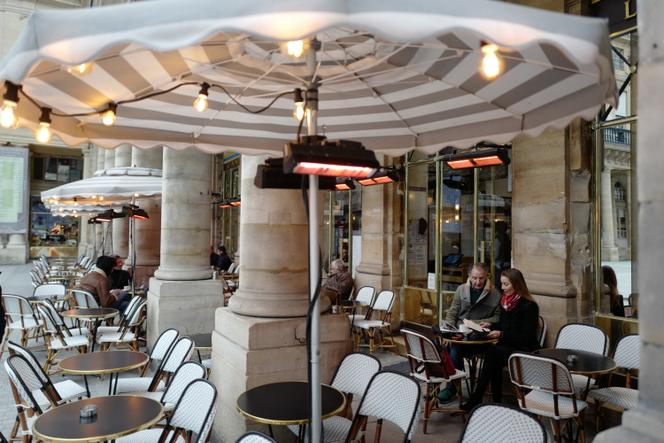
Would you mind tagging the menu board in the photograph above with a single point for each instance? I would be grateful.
(13, 190)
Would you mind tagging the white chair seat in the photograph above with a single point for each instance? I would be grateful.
(369, 324)
(107, 329)
(354, 318)
(542, 403)
(207, 363)
(422, 377)
(145, 436)
(67, 389)
(581, 382)
(116, 337)
(335, 429)
(78, 331)
(136, 384)
(27, 323)
(70, 342)
(623, 398)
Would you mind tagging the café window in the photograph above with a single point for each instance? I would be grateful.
(57, 169)
(48, 229)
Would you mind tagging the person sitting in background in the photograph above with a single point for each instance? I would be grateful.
(224, 261)
(339, 280)
(610, 288)
(475, 300)
(516, 331)
(96, 282)
(119, 278)
(214, 257)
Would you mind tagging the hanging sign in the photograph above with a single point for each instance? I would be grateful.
(621, 13)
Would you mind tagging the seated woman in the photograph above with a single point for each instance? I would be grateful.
(516, 331)
(97, 283)
(610, 290)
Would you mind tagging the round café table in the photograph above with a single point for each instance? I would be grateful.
(476, 360)
(286, 403)
(116, 416)
(94, 314)
(110, 362)
(589, 364)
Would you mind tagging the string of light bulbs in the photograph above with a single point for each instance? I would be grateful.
(491, 66)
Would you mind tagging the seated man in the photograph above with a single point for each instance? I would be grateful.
(339, 281)
(119, 278)
(475, 300)
(97, 283)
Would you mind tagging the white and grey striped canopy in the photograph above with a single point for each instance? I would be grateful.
(396, 75)
(106, 188)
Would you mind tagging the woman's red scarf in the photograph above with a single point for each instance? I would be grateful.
(509, 302)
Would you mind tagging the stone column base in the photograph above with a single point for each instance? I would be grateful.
(187, 306)
(251, 351)
(640, 425)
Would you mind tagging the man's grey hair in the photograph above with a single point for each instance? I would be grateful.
(339, 264)
(481, 267)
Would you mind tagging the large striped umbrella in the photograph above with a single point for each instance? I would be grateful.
(395, 75)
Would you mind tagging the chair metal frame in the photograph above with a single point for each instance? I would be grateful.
(369, 327)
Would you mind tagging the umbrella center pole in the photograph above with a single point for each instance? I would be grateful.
(314, 271)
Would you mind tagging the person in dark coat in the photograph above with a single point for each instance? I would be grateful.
(224, 261)
(119, 278)
(214, 257)
(516, 331)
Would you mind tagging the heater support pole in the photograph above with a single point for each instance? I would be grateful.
(314, 267)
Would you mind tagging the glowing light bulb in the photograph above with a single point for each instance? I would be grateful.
(101, 198)
(201, 103)
(299, 111)
(81, 70)
(295, 48)
(8, 117)
(108, 117)
(491, 65)
(43, 134)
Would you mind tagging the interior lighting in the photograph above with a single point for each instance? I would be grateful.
(295, 48)
(201, 102)
(298, 105)
(477, 158)
(343, 158)
(81, 69)
(43, 133)
(108, 116)
(491, 65)
(8, 117)
(101, 198)
(344, 185)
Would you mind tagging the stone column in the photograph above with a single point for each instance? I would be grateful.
(645, 423)
(609, 249)
(551, 219)
(249, 348)
(181, 294)
(109, 158)
(101, 158)
(147, 232)
(121, 225)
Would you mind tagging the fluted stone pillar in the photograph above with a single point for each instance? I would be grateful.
(181, 294)
(147, 232)
(259, 338)
(645, 423)
(609, 249)
(101, 158)
(121, 225)
(109, 158)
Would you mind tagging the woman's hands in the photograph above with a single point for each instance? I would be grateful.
(485, 325)
(494, 334)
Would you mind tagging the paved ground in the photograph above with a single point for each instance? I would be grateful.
(442, 427)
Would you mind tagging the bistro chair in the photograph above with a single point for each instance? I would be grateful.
(501, 424)
(352, 378)
(84, 299)
(255, 437)
(363, 300)
(390, 396)
(582, 337)
(62, 322)
(185, 374)
(19, 316)
(180, 352)
(128, 333)
(161, 347)
(426, 365)
(541, 331)
(123, 317)
(57, 340)
(371, 328)
(544, 387)
(192, 417)
(54, 292)
(618, 398)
